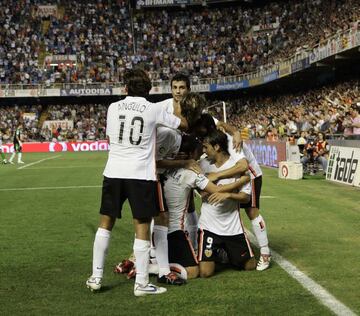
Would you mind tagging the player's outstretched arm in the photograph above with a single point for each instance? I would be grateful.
(213, 188)
(240, 168)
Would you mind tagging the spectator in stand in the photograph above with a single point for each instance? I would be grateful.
(354, 123)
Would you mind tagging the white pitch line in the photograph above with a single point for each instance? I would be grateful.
(36, 162)
(307, 283)
(53, 188)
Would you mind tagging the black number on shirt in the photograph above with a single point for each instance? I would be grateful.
(136, 129)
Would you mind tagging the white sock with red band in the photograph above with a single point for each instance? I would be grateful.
(101, 245)
(259, 228)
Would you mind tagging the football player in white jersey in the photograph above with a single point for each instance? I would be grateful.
(130, 174)
(220, 225)
(245, 161)
(178, 186)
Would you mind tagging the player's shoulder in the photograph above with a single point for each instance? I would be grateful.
(166, 105)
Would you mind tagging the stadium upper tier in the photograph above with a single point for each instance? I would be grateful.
(102, 39)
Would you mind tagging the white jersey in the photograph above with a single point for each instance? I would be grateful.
(131, 128)
(168, 105)
(168, 142)
(223, 218)
(254, 168)
(177, 188)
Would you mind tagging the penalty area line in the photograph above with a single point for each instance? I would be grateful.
(36, 162)
(307, 283)
(53, 188)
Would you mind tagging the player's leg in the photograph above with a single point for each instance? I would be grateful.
(239, 252)
(143, 210)
(181, 252)
(3, 158)
(208, 243)
(111, 203)
(13, 154)
(160, 242)
(258, 224)
(20, 154)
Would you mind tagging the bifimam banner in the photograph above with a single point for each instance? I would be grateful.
(344, 165)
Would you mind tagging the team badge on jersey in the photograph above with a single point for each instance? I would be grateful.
(208, 253)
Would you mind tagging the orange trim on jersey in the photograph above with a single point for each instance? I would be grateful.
(252, 171)
(253, 193)
(192, 249)
(160, 197)
(200, 246)
(182, 220)
(246, 238)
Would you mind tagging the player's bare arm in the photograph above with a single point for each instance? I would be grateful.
(234, 132)
(218, 197)
(240, 168)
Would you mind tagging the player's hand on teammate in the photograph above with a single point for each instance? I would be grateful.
(237, 141)
(218, 197)
(193, 166)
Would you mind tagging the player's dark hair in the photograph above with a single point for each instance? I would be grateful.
(181, 77)
(204, 125)
(189, 143)
(192, 105)
(137, 82)
(217, 137)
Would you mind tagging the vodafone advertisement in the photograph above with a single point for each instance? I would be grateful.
(45, 147)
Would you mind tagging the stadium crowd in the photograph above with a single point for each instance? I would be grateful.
(107, 38)
(329, 109)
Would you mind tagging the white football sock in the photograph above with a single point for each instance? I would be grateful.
(191, 226)
(259, 228)
(12, 156)
(152, 249)
(101, 245)
(19, 157)
(142, 256)
(161, 249)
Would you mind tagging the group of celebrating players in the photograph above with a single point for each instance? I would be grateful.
(159, 154)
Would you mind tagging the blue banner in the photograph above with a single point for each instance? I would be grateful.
(229, 85)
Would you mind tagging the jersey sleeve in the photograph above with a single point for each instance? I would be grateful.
(112, 121)
(167, 119)
(194, 180)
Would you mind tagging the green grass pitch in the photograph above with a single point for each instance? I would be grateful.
(46, 238)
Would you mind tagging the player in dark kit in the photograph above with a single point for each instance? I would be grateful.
(17, 145)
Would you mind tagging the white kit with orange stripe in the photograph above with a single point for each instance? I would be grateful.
(131, 128)
(177, 188)
(223, 218)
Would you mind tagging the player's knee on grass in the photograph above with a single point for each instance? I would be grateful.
(206, 269)
(107, 222)
(250, 264)
(252, 212)
(162, 219)
(192, 272)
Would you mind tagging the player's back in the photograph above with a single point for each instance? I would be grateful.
(131, 128)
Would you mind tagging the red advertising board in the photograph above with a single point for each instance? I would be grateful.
(268, 153)
(100, 145)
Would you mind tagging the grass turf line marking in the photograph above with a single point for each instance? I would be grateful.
(53, 188)
(307, 283)
(36, 162)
